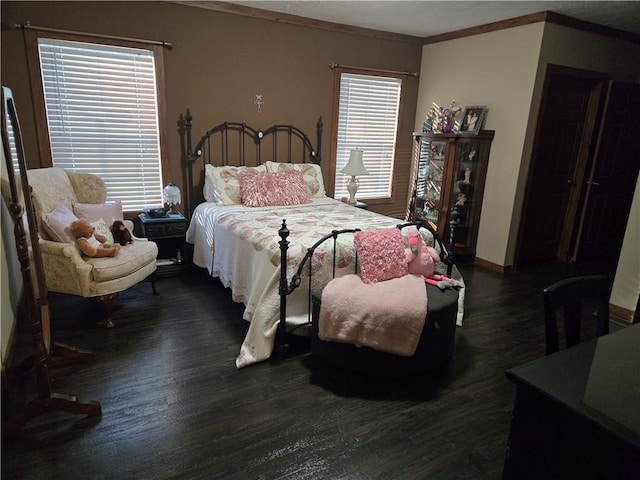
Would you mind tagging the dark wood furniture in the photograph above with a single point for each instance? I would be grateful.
(449, 172)
(576, 297)
(168, 232)
(575, 413)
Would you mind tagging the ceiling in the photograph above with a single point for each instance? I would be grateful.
(424, 18)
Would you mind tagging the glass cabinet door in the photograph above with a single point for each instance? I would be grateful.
(466, 188)
(431, 168)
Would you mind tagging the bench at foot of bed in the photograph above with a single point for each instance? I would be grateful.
(434, 351)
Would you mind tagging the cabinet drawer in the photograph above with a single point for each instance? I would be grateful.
(177, 229)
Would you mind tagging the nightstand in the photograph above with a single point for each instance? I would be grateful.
(168, 233)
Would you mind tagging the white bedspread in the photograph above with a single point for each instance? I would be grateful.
(240, 246)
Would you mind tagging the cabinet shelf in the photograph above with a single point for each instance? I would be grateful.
(449, 173)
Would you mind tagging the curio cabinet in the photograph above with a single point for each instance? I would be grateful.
(449, 172)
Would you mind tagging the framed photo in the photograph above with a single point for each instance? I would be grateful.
(472, 119)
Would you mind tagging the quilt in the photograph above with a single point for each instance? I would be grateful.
(240, 246)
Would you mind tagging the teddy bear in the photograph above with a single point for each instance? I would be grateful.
(90, 243)
(120, 233)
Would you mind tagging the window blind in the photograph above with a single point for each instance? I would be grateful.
(102, 115)
(368, 120)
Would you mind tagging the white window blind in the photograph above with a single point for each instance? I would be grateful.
(102, 116)
(368, 120)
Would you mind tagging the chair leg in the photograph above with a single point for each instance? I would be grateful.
(107, 301)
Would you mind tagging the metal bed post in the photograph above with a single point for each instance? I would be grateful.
(283, 346)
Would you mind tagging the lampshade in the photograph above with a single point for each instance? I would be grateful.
(171, 195)
(355, 166)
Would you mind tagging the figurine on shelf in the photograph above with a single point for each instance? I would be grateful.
(462, 199)
(464, 182)
(472, 155)
(467, 176)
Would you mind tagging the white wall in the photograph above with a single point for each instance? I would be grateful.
(10, 275)
(626, 286)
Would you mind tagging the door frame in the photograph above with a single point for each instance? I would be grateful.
(585, 154)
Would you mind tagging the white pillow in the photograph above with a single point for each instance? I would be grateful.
(209, 190)
(57, 222)
(311, 172)
(226, 183)
(92, 212)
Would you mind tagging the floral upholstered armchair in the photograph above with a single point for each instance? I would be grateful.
(61, 196)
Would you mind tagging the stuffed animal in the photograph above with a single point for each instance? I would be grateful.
(90, 243)
(120, 233)
(420, 257)
(422, 260)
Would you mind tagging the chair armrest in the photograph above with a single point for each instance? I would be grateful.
(64, 250)
(129, 225)
(64, 268)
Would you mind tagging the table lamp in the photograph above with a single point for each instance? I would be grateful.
(171, 196)
(354, 167)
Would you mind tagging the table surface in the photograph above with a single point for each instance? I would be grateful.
(598, 379)
(171, 217)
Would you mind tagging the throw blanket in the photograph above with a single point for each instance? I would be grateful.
(387, 316)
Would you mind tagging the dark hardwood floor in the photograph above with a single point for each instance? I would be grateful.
(175, 407)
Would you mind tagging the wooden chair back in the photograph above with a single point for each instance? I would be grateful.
(573, 296)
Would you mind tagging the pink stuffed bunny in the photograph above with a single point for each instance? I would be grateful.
(420, 257)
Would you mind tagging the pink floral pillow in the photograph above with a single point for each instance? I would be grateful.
(272, 189)
(381, 255)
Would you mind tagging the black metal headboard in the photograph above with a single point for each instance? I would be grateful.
(238, 144)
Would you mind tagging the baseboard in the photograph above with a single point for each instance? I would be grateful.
(494, 267)
(619, 313)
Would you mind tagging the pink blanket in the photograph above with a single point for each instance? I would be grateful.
(387, 316)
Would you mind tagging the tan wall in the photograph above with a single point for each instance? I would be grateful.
(218, 64)
(497, 69)
(505, 71)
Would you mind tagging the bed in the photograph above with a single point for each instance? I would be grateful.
(241, 245)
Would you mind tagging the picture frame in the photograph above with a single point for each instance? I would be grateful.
(473, 118)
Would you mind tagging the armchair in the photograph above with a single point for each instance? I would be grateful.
(66, 269)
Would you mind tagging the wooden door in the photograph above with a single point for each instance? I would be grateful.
(561, 150)
(611, 182)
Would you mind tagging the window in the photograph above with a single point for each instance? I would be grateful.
(101, 106)
(368, 120)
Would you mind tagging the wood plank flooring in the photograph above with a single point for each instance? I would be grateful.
(175, 407)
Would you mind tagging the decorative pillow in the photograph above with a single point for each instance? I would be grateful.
(273, 189)
(226, 182)
(56, 224)
(92, 212)
(210, 191)
(312, 175)
(102, 229)
(381, 254)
